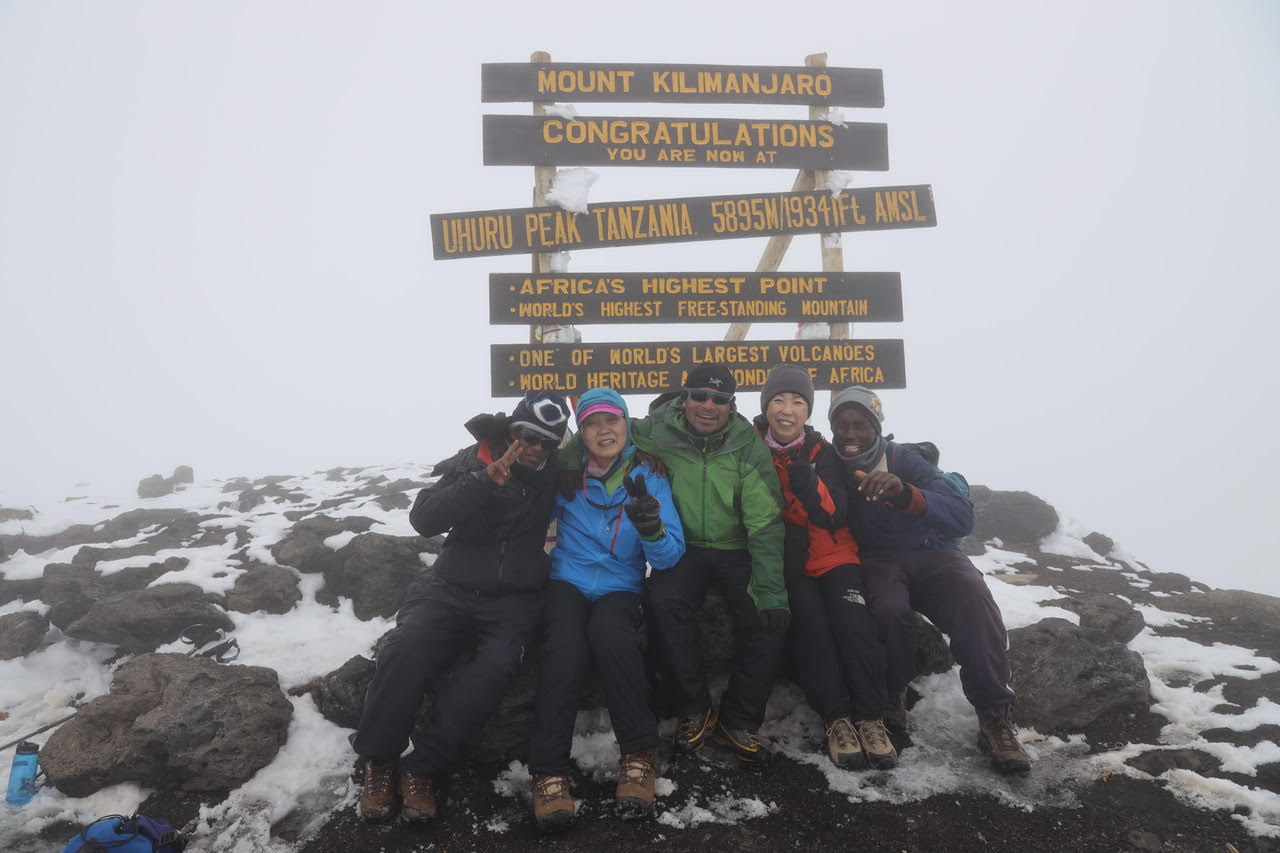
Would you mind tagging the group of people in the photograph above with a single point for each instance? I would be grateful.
(823, 552)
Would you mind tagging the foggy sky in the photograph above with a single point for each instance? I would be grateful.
(214, 246)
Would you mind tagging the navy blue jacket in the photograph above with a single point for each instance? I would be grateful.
(936, 516)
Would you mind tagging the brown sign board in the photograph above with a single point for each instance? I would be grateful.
(655, 367)
(584, 298)
(725, 142)
(720, 84)
(676, 220)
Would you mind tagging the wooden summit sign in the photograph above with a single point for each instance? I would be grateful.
(737, 143)
(722, 84)
(650, 367)
(677, 220)
(694, 297)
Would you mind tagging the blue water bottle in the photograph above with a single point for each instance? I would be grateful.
(22, 775)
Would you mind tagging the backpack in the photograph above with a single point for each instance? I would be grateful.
(930, 452)
(119, 834)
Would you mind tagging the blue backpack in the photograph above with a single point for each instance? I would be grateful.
(929, 451)
(119, 834)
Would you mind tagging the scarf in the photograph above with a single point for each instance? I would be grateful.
(867, 459)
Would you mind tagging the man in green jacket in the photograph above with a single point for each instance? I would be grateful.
(725, 488)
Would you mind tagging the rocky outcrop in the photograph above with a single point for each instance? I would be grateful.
(172, 722)
(157, 486)
(21, 633)
(1066, 677)
(142, 621)
(1012, 517)
(373, 570)
(273, 589)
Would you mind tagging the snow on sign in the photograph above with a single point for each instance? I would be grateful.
(721, 84)
(676, 220)
(582, 298)
(657, 367)
(735, 143)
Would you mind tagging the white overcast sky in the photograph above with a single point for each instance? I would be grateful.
(214, 247)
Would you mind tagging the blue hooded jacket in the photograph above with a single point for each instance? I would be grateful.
(937, 516)
(597, 547)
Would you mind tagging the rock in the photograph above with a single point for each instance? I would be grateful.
(1101, 544)
(154, 486)
(21, 633)
(27, 589)
(248, 499)
(339, 696)
(1066, 677)
(183, 475)
(1250, 614)
(172, 722)
(140, 621)
(71, 589)
(303, 546)
(1157, 761)
(1011, 517)
(12, 514)
(373, 570)
(933, 653)
(262, 587)
(1105, 613)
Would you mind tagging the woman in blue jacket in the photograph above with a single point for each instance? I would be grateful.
(614, 516)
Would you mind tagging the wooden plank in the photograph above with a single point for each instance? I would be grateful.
(584, 298)
(649, 367)
(678, 220)
(579, 82)
(832, 251)
(654, 141)
(543, 178)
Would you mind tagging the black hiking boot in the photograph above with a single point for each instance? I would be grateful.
(692, 731)
(745, 743)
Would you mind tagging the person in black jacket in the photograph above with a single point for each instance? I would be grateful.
(494, 499)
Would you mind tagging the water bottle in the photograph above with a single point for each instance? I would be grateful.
(22, 775)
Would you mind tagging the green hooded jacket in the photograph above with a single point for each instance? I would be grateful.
(725, 489)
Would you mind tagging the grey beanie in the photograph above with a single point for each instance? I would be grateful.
(787, 377)
(862, 397)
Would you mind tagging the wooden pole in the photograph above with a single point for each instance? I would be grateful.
(832, 251)
(543, 176)
(774, 251)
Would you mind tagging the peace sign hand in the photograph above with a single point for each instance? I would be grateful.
(499, 470)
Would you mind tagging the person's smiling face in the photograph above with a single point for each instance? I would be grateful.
(852, 432)
(705, 416)
(605, 436)
(786, 414)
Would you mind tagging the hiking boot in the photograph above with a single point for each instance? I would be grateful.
(745, 743)
(692, 730)
(876, 744)
(842, 744)
(998, 736)
(895, 716)
(378, 794)
(417, 798)
(552, 805)
(637, 773)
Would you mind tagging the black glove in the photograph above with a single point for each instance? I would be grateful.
(775, 620)
(800, 474)
(644, 510)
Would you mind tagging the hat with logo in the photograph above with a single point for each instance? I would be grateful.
(715, 376)
(543, 412)
(863, 398)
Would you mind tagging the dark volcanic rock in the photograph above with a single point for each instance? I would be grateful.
(155, 486)
(1011, 517)
(21, 633)
(339, 696)
(1066, 677)
(1157, 761)
(172, 722)
(140, 621)
(262, 587)
(373, 570)
(183, 474)
(303, 547)
(933, 653)
(27, 589)
(1105, 613)
(1100, 543)
(11, 514)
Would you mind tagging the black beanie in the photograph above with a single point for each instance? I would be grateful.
(787, 377)
(715, 376)
(544, 412)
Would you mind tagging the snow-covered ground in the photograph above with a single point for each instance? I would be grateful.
(310, 777)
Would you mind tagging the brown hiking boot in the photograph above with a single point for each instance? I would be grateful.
(692, 730)
(417, 798)
(637, 773)
(999, 737)
(378, 794)
(842, 744)
(552, 805)
(876, 744)
(745, 743)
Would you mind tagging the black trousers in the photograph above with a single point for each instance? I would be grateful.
(946, 587)
(436, 623)
(674, 598)
(836, 653)
(578, 632)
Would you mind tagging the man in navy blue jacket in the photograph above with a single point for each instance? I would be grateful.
(907, 525)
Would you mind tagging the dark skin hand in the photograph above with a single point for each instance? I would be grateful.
(654, 463)
(499, 470)
(878, 485)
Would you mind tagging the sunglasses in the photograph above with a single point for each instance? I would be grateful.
(697, 395)
(530, 437)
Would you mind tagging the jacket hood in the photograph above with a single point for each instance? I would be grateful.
(612, 398)
(492, 427)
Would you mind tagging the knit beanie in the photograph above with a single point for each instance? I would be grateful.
(543, 412)
(863, 398)
(787, 377)
(715, 376)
